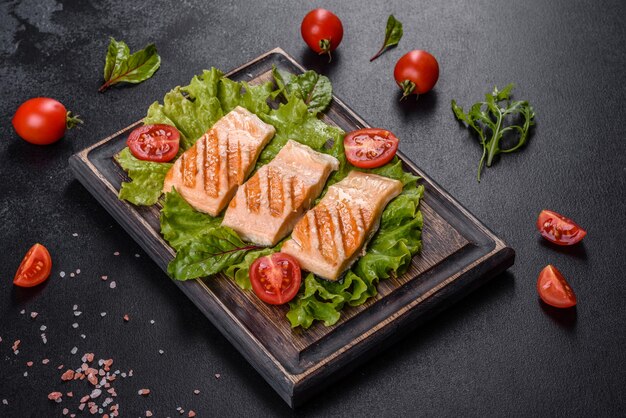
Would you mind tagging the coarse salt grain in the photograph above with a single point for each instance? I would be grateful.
(137, 255)
(77, 313)
(25, 374)
(5, 402)
(75, 325)
(152, 321)
(112, 285)
(23, 311)
(103, 313)
(148, 413)
(217, 375)
(116, 253)
(143, 392)
(196, 392)
(77, 271)
(42, 328)
(44, 339)
(74, 350)
(16, 344)
(53, 396)
(74, 234)
(191, 414)
(45, 361)
(62, 274)
(29, 363)
(33, 315)
(72, 275)
(83, 336)
(66, 411)
(95, 393)
(75, 307)
(104, 277)
(126, 318)
(161, 351)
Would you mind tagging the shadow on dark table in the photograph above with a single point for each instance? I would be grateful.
(578, 250)
(413, 107)
(319, 63)
(565, 318)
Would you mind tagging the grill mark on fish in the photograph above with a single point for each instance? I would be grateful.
(325, 233)
(253, 194)
(190, 168)
(212, 165)
(275, 195)
(348, 227)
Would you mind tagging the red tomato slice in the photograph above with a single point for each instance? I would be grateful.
(370, 147)
(553, 288)
(35, 267)
(158, 143)
(558, 229)
(275, 278)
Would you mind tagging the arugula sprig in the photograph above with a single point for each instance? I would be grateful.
(488, 119)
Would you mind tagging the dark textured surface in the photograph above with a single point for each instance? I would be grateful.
(499, 352)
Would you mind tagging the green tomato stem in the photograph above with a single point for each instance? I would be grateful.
(408, 87)
(71, 121)
(324, 45)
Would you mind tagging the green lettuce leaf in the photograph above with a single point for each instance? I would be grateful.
(146, 179)
(314, 89)
(181, 223)
(208, 254)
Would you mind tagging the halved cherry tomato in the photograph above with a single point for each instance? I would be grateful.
(275, 278)
(322, 31)
(553, 288)
(35, 267)
(158, 143)
(416, 72)
(558, 229)
(370, 147)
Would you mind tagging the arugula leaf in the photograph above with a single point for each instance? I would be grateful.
(181, 223)
(147, 179)
(208, 254)
(393, 34)
(312, 88)
(489, 118)
(121, 66)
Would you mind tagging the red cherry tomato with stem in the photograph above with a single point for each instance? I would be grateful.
(370, 147)
(275, 278)
(322, 31)
(35, 267)
(43, 121)
(158, 143)
(558, 229)
(416, 72)
(553, 289)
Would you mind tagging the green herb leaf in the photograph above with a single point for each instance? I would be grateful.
(491, 120)
(181, 223)
(314, 89)
(121, 66)
(208, 254)
(393, 34)
(147, 179)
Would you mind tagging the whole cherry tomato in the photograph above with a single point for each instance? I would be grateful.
(43, 121)
(416, 72)
(322, 31)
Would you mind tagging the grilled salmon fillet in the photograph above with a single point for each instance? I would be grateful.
(207, 174)
(330, 237)
(269, 204)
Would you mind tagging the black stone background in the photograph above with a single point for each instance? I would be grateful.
(497, 353)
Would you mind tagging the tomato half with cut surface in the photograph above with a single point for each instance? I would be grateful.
(558, 229)
(553, 288)
(35, 267)
(275, 278)
(158, 143)
(370, 147)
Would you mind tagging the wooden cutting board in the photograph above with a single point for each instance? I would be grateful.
(459, 253)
